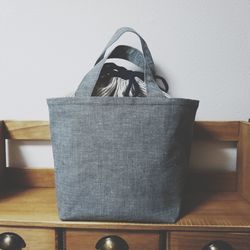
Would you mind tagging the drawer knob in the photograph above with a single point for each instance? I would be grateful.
(112, 242)
(11, 241)
(217, 245)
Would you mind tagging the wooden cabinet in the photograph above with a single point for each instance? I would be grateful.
(87, 239)
(216, 206)
(34, 238)
(198, 240)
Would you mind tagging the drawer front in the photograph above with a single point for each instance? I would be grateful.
(34, 238)
(87, 240)
(198, 240)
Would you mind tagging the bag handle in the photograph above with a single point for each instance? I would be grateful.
(145, 49)
(87, 85)
(128, 53)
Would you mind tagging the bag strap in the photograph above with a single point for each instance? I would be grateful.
(87, 85)
(128, 53)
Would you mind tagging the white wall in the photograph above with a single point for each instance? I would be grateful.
(202, 47)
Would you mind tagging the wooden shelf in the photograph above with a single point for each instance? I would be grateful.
(216, 206)
(216, 211)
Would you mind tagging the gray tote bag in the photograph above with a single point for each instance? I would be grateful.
(121, 158)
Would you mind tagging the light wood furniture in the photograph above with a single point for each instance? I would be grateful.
(216, 206)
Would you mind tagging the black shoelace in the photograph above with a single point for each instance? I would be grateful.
(110, 70)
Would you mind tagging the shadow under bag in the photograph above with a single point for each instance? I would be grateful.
(121, 158)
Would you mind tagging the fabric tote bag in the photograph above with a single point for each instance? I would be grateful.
(121, 158)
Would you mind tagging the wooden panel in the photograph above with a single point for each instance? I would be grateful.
(39, 130)
(197, 240)
(27, 130)
(19, 177)
(38, 239)
(243, 160)
(86, 240)
(205, 211)
(220, 131)
(2, 152)
(31, 205)
(203, 181)
(212, 181)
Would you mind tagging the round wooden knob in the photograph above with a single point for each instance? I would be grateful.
(112, 242)
(11, 241)
(218, 245)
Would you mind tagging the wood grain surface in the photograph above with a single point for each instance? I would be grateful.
(27, 130)
(86, 240)
(219, 131)
(222, 211)
(29, 177)
(197, 240)
(2, 152)
(243, 160)
(35, 238)
(211, 181)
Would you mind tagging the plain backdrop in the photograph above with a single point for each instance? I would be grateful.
(202, 48)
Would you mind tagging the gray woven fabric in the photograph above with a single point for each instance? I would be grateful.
(120, 159)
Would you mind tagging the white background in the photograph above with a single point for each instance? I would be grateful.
(202, 47)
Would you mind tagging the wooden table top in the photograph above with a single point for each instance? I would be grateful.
(222, 211)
